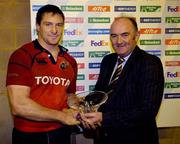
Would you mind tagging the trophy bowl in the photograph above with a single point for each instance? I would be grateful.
(88, 101)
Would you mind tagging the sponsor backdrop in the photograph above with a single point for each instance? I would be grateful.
(86, 35)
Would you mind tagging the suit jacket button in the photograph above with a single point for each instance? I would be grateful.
(105, 134)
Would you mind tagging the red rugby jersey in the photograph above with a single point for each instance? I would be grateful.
(50, 81)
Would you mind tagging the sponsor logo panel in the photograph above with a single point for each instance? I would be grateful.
(173, 75)
(80, 87)
(81, 65)
(98, 31)
(150, 42)
(172, 41)
(150, 20)
(98, 54)
(94, 65)
(150, 30)
(172, 52)
(98, 20)
(72, 43)
(99, 43)
(172, 30)
(91, 87)
(80, 77)
(98, 8)
(93, 76)
(73, 32)
(74, 20)
(125, 8)
(173, 9)
(150, 8)
(36, 7)
(171, 95)
(72, 8)
(172, 19)
(77, 54)
(154, 52)
(172, 63)
(170, 85)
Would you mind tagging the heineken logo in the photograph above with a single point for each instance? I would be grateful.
(72, 8)
(99, 20)
(150, 42)
(172, 52)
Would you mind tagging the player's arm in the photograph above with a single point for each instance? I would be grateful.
(25, 107)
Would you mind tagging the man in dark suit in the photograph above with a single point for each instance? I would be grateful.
(129, 114)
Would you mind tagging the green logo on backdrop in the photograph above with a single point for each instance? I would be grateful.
(97, 54)
(72, 8)
(150, 42)
(172, 19)
(80, 77)
(99, 20)
(172, 52)
(72, 43)
(91, 87)
(172, 85)
(150, 8)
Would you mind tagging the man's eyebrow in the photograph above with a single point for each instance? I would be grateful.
(47, 22)
(124, 33)
(113, 34)
(120, 33)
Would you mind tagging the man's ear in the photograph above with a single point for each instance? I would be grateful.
(37, 27)
(137, 36)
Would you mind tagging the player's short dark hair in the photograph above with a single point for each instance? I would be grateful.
(48, 9)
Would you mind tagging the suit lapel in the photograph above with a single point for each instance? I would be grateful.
(109, 68)
(128, 67)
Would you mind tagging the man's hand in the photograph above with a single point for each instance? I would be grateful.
(69, 117)
(91, 120)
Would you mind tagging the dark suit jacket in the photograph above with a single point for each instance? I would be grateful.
(130, 111)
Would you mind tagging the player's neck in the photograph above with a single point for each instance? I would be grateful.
(53, 49)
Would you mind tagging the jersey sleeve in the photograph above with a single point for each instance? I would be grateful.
(19, 67)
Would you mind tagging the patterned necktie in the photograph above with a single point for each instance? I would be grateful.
(115, 76)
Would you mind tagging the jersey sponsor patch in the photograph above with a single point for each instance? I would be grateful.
(52, 80)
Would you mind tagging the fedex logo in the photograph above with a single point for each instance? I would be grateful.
(72, 32)
(99, 43)
(173, 9)
(173, 75)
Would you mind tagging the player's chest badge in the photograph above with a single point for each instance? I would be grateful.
(64, 65)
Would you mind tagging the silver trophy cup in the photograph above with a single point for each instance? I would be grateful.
(88, 101)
